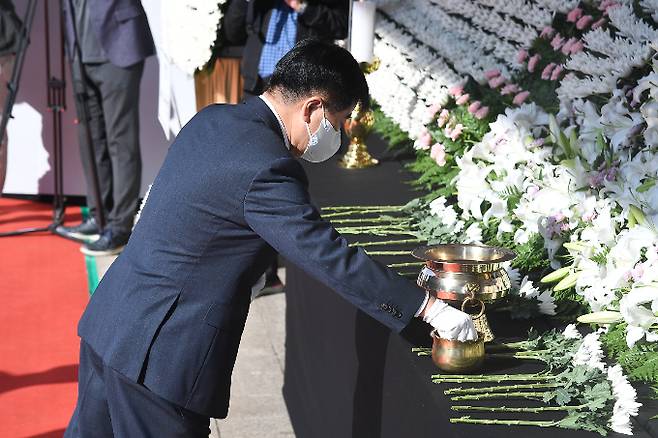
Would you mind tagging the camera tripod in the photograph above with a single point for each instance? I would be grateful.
(56, 105)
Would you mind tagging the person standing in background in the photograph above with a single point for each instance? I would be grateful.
(113, 38)
(269, 29)
(10, 27)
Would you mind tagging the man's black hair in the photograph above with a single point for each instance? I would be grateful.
(314, 66)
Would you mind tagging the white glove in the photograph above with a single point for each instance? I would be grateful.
(450, 323)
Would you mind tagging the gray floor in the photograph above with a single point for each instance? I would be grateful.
(257, 407)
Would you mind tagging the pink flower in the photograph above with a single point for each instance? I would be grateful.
(424, 140)
(532, 63)
(532, 190)
(566, 48)
(443, 118)
(433, 109)
(472, 108)
(496, 82)
(456, 91)
(489, 74)
(584, 21)
(547, 32)
(521, 56)
(576, 47)
(461, 100)
(546, 73)
(574, 15)
(600, 22)
(438, 153)
(482, 113)
(557, 42)
(557, 71)
(509, 89)
(520, 97)
(456, 132)
(605, 3)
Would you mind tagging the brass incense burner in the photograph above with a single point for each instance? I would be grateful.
(457, 356)
(454, 272)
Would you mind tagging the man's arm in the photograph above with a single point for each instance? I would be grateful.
(278, 208)
(328, 18)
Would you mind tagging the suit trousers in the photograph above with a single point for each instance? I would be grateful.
(112, 97)
(111, 405)
(6, 70)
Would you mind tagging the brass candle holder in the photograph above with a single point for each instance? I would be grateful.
(357, 127)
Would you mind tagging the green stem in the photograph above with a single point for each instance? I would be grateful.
(469, 420)
(516, 409)
(502, 388)
(388, 253)
(377, 220)
(534, 395)
(408, 274)
(356, 212)
(514, 356)
(387, 242)
(494, 377)
(405, 265)
(361, 207)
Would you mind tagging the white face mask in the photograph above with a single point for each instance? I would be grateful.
(323, 143)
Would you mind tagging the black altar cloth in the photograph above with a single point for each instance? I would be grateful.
(346, 375)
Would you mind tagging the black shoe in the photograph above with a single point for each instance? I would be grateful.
(110, 243)
(87, 230)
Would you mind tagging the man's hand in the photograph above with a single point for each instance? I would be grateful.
(449, 322)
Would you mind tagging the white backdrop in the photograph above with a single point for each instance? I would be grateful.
(30, 132)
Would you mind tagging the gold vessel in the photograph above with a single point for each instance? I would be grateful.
(457, 356)
(454, 272)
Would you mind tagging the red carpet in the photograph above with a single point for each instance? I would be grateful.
(43, 287)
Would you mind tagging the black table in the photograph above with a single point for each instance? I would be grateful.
(347, 375)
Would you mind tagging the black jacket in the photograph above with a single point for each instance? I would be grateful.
(246, 21)
(170, 311)
(10, 26)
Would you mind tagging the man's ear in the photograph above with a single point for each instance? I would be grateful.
(311, 104)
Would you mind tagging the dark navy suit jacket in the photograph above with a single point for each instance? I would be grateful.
(122, 30)
(170, 311)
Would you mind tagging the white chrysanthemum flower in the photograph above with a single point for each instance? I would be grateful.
(626, 405)
(590, 352)
(514, 275)
(571, 332)
(473, 234)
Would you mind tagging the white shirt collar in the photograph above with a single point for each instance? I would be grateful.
(283, 127)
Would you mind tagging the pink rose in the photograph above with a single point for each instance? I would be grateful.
(521, 56)
(509, 89)
(521, 97)
(456, 91)
(557, 71)
(584, 21)
(456, 132)
(443, 118)
(600, 22)
(532, 63)
(557, 42)
(482, 113)
(424, 140)
(461, 100)
(577, 47)
(438, 153)
(574, 15)
(472, 108)
(433, 109)
(547, 32)
(489, 74)
(546, 73)
(496, 82)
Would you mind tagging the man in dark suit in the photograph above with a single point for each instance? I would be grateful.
(10, 26)
(161, 333)
(269, 28)
(112, 38)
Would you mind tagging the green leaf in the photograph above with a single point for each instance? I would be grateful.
(646, 185)
(562, 396)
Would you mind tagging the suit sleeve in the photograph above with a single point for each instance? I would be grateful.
(234, 22)
(330, 19)
(278, 208)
